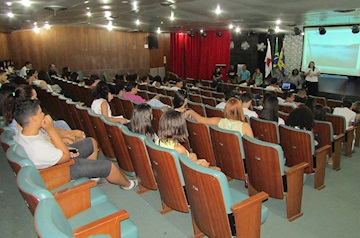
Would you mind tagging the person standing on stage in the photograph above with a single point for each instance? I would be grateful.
(311, 79)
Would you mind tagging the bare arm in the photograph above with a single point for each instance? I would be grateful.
(105, 112)
(246, 129)
(47, 124)
(203, 120)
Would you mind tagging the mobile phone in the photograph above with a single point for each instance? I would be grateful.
(73, 150)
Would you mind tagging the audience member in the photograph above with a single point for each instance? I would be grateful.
(257, 78)
(3, 78)
(228, 94)
(232, 75)
(346, 112)
(270, 110)
(301, 96)
(178, 85)
(66, 72)
(23, 71)
(53, 71)
(246, 100)
(217, 76)
(356, 108)
(319, 113)
(244, 75)
(295, 79)
(141, 120)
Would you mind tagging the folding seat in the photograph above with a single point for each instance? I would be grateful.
(333, 103)
(218, 210)
(283, 115)
(298, 146)
(208, 101)
(143, 94)
(197, 107)
(213, 111)
(266, 172)
(286, 108)
(7, 138)
(157, 113)
(319, 100)
(170, 93)
(128, 107)
(265, 130)
(195, 98)
(166, 100)
(161, 91)
(206, 93)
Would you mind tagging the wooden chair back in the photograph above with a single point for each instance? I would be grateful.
(298, 146)
(286, 108)
(228, 151)
(206, 93)
(338, 123)
(265, 130)
(161, 91)
(213, 111)
(157, 113)
(128, 107)
(209, 101)
(200, 141)
(195, 98)
(197, 107)
(166, 166)
(319, 100)
(86, 121)
(75, 114)
(143, 94)
(140, 159)
(117, 106)
(333, 103)
(283, 115)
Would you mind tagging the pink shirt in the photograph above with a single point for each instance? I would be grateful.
(133, 97)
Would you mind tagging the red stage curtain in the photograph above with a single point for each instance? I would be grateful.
(201, 54)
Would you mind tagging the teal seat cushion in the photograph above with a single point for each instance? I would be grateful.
(96, 194)
(128, 228)
(237, 197)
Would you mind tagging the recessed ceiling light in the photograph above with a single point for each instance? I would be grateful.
(86, 2)
(201, 31)
(87, 8)
(107, 14)
(125, 2)
(231, 26)
(26, 3)
(278, 21)
(88, 14)
(237, 30)
(172, 17)
(218, 10)
(106, 7)
(36, 29)
(135, 6)
(10, 14)
(110, 26)
(47, 26)
(137, 22)
(158, 30)
(9, 3)
(277, 29)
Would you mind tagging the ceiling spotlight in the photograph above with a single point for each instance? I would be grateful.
(278, 21)
(302, 33)
(231, 26)
(218, 10)
(172, 17)
(110, 26)
(355, 29)
(10, 14)
(36, 29)
(158, 30)
(137, 22)
(201, 31)
(135, 6)
(9, 3)
(237, 30)
(277, 29)
(88, 14)
(322, 30)
(107, 14)
(297, 31)
(47, 26)
(219, 34)
(26, 3)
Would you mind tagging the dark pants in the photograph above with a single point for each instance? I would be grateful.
(312, 88)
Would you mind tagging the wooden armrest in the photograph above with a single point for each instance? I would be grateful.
(75, 199)
(295, 180)
(349, 140)
(338, 140)
(57, 175)
(339, 137)
(247, 216)
(107, 225)
(319, 176)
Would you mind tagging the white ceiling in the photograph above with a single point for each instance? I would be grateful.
(249, 15)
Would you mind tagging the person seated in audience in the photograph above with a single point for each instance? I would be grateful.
(178, 85)
(301, 96)
(141, 120)
(232, 75)
(270, 110)
(45, 154)
(217, 76)
(145, 80)
(25, 92)
(279, 76)
(172, 132)
(53, 70)
(157, 81)
(290, 99)
(66, 72)
(294, 79)
(74, 77)
(3, 78)
(94, 80)
(302, 118)
(228, 94)
(244, 75)
(165, 84)
(246, 100)
(234, 118)
(5, 91)
(310, 103)
(42, 75)
(273, 86)
(356, 108)
(346, 112)
(257, 78)
(10, 67)
(131, 94)
(197, 84)
(23, 71)
(319, 113)
(101, 105)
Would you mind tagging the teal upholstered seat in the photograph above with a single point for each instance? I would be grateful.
(213, 202)
(7, 138)
(31, 185)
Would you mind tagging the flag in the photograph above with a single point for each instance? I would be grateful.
(276, 56)
(268, 60)
(281, 62)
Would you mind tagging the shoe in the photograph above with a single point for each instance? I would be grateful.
(330, 161)
(133, 184)
(95, 179)
(246, 183)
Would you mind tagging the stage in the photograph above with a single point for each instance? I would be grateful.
(338, 87)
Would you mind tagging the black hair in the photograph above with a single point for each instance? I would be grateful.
(319, 113)
(5, 91)
(310, 103)
(289, 94)
(101, 90)
(44, 76)
(229, 94)
(347, 103)
(179, 98)
(24, 110)
(301, 117)
(141, 120)
(66, 73)
(246, 97)
(27, 62)
(74, 77)
(30, 73)
(293, 72)
(130, 85)
(270, 111)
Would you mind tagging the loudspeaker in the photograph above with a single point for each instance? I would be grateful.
(153, 42)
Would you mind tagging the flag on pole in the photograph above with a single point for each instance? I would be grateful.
(276, 55)
(281, 62)
(268, 60)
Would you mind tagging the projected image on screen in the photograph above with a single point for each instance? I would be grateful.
(336, 52)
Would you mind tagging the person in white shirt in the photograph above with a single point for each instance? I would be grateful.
(246, 100)
(228, 94)
(311, 79)
(346, 112)
(178, 85)
(23, 71)
(289, 100)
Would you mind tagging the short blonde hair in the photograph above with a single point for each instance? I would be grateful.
(233, 110)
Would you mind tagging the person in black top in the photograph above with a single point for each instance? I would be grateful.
(232, 75)
(217, 74)
(52, 70)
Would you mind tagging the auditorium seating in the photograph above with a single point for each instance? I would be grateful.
(265, 130)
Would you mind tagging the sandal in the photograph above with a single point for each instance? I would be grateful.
(133, 184)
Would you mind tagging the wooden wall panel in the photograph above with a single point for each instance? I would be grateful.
(4, 47)
(87, 49)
